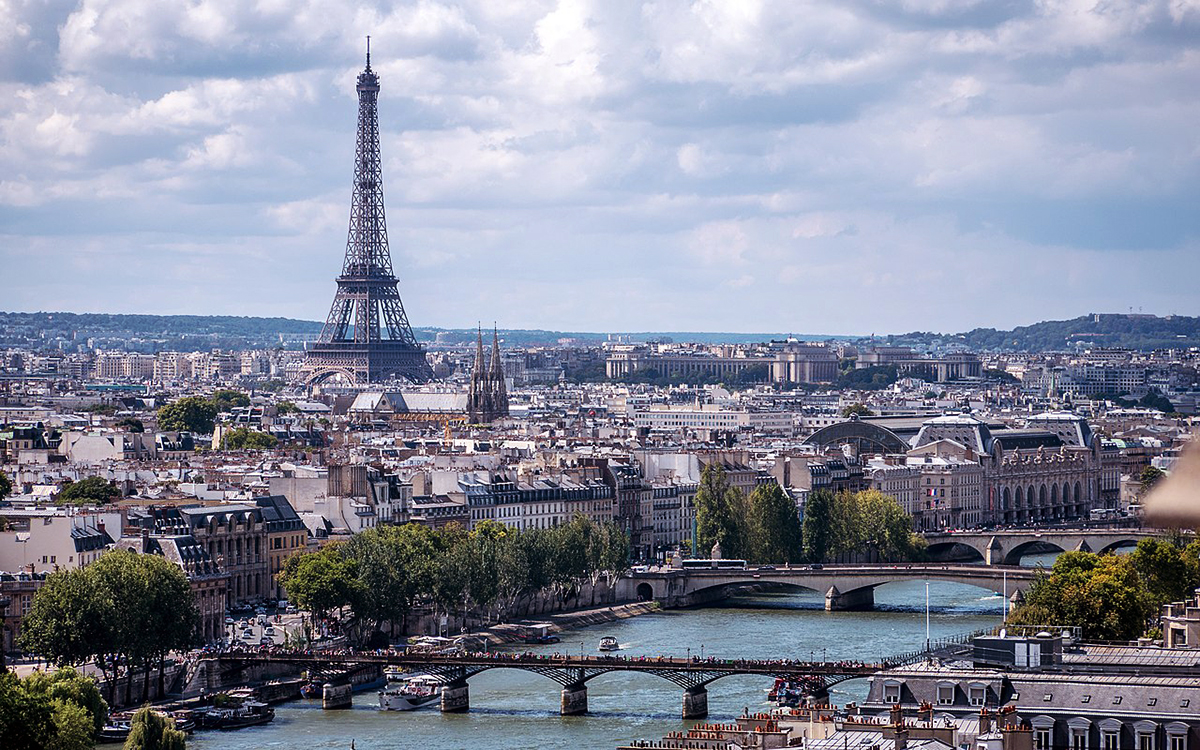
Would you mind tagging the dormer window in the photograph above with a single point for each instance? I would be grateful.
(945, 694)
(891, 692)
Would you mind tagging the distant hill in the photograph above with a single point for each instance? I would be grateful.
(1140, 332)
(150, 333)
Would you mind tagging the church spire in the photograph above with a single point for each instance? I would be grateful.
(496, 372)
(479, 368)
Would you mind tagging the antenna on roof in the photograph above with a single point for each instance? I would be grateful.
(368, 51)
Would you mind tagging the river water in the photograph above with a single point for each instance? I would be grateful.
(513, 710)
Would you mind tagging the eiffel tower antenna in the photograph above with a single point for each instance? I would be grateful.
(367, 337)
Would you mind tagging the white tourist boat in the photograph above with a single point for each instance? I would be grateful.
(411, 693)
(608, 643)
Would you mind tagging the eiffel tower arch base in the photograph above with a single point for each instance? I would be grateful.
(366, 363)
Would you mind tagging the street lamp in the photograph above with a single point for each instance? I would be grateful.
(927, 615)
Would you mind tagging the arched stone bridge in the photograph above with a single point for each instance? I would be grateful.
(1007, 547)
(844, 586)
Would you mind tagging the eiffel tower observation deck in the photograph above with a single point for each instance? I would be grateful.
(367, 337)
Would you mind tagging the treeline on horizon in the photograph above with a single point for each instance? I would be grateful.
(1140, 332)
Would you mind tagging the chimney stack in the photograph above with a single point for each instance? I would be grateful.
(985, 721)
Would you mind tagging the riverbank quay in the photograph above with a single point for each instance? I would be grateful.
(511, 632)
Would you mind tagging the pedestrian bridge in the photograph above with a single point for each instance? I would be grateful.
(1008, 546)
(844, 586)
(693, 674)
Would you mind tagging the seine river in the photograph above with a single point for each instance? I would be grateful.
(513, 710)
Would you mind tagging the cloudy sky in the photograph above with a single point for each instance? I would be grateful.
(851, 166)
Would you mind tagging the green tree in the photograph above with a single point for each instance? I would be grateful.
(1102, 594)
(241, 438)
(775, 533)
(122, 610)
(224, 400)
(817, 528)
(151, 730)
(133, 423)
(59, 711)
(859, 409)
(89, 491)
(321, 582)
(1168, 573)
(188, 414)
(69, 685)
(883, 527)
(286, 407)
(71, 727)
(25, 718)
(6, 485)
(720, 514)
(64, 624)
(1148, 477)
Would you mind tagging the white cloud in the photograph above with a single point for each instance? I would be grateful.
(588, 164)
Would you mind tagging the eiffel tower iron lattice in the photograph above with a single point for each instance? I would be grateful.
(367, 337)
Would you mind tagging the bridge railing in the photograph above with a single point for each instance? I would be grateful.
(940, 644)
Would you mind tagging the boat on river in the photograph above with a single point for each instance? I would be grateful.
(608, 643)
(410, 694)
(120, 724)
(537, 632)
(247, 714)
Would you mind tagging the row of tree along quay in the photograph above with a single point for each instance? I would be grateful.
(124, 613)
(1113, 597)
(370, 585)
(765, 528)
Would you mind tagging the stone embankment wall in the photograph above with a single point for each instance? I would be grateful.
(540, 607)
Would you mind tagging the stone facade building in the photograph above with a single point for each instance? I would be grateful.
(233, 536)
(1042, 474)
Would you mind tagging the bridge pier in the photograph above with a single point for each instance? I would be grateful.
(574, 700)
(858, 599)
(456, 698)
(695, 703)
(994, 553)
(337, 696)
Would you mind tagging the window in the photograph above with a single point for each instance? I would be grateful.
(1108, 740)
(1079, 739)
(891, 693)
(1145, 741)
(1086, 699)
(1152, 701)
(1042, 739)
(1177, 741)
(1117, 701)
(977, 695)
(945, 695)
(1184, 703)
(1048, 697)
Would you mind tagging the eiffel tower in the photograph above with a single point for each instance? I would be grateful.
(367, 338)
